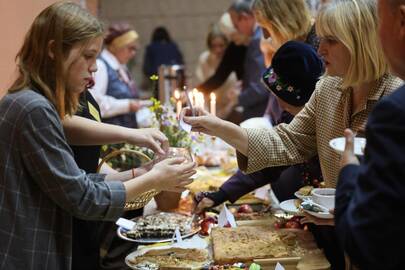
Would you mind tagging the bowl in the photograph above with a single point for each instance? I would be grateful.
(324, 197)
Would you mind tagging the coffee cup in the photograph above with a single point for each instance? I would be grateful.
(324, 197)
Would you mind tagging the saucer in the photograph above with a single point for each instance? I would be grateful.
(339, 145)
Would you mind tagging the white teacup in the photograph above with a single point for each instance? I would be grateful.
(324, 197)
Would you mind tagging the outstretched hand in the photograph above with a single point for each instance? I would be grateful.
(202, 121)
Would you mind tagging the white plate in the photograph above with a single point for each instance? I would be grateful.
(195, 242)
(339, 145)
(120, 231)
(322, 215)
(302, 197)
(289, 207)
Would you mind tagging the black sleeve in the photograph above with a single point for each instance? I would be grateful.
(369, 210)
(232, 60)
(240, 184)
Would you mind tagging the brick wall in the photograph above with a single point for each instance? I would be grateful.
(187, 21)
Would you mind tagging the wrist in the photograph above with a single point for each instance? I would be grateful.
(153, 179)
(217, 197)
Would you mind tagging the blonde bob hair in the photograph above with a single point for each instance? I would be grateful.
(57, 28)
(355, 24)
(291, 19)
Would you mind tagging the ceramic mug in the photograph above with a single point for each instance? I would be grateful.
(324, 197)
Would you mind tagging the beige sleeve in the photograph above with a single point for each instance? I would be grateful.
(285, 144)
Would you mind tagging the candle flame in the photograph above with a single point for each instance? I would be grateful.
(213, 96)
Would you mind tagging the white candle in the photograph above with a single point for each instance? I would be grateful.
(191, 98)
(178, 108)
(200, 98)
(195, 97)
(213, 103)
(176, 94)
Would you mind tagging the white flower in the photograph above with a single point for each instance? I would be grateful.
(290, 88)
(278, 88)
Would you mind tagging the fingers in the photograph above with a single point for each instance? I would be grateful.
(203, 204)
(187, 166)
(349, 146)
(158, 141)
(348, 156)
(305, 220)
(185, 182)
(156, 147)
(173, 161)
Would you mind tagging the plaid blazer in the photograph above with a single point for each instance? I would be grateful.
(41, 187)
(326, 115)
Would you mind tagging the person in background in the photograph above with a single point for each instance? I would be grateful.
(370, 195)
(208, 62)
(296, 65)
(357, 76)
(253, 97)
(292, 78)
(114, 90)
(282, 21)
(162, 50)
(42, 186)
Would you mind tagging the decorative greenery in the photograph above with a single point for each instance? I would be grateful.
(166, 120)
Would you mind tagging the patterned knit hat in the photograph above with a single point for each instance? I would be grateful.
(295, 70)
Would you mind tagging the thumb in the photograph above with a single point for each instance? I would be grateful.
(349, 145)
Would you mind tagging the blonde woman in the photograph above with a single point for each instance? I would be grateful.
(41, 186)
(282, 21)
(356, 78)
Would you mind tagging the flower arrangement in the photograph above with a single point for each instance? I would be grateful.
(166, 120)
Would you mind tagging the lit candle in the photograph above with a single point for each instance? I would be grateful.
(176, 94)
(213, 103)
(195, 97)
(200, 98)
(178, 102)
(191, 98)
(178, 108)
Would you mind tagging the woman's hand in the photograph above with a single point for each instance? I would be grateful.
(308, 218)
(348, 156)
(172, 174)
(203, 203)
(212, 125)
(148, 137)
(203, 121)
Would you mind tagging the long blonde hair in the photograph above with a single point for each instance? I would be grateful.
(355, 24)
(291, 19)
(63, 25)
